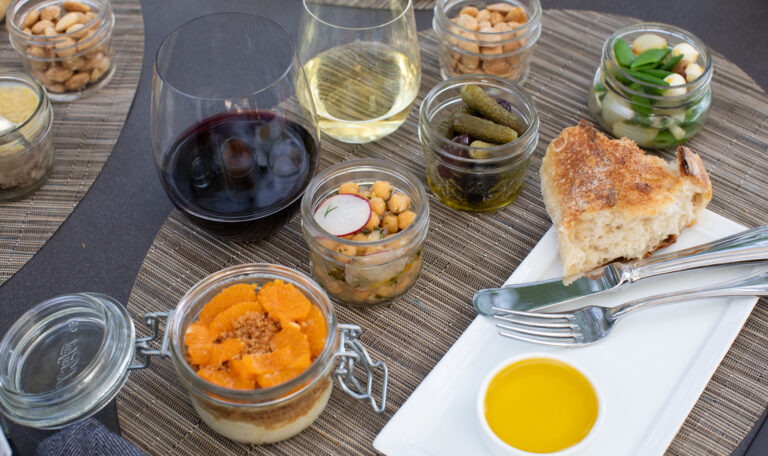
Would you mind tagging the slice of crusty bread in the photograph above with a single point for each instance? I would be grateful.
(609, 200)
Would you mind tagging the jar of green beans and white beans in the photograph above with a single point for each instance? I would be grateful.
(652, 85)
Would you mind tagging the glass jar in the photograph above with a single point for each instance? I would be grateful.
(501, 50)
(26, 146)
(364, 273)
(475, 184)
(71, 62)
(648, 113)
(68, 357)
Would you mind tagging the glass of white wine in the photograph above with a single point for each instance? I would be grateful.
(362, 66)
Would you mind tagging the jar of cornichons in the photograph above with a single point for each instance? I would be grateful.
(26, 148)
(652, 85)
(494, 38)
(66, 45)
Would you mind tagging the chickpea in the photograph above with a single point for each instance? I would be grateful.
(360, 296)
(376, 249)
(382, 189)
(373, 222)
(349, 187)
(328, 244)
(348, 250)
(378, 205)
(366, 194)
(333, 287)
(389, 223)
(399, 202)
(360, 237)
(405, 218)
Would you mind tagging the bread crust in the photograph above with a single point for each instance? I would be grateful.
(585, 173)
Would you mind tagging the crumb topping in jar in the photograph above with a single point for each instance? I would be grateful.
(17, 102)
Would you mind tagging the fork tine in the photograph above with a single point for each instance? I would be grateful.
(535, 321)
(558, 334)
(553, 316)
(541, 340)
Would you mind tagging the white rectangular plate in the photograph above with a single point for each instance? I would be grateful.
(650, 370)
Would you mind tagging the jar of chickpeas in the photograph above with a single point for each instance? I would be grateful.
(365, 222)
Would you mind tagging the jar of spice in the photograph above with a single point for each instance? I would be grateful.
(66, 45)
(26, 147)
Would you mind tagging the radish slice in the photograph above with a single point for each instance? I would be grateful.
(343, 214)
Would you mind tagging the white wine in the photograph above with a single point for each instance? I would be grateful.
(363, 91)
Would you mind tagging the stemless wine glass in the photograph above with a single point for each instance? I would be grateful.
(234, 130)
(362, 66)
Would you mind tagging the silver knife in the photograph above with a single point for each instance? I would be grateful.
(750, 245)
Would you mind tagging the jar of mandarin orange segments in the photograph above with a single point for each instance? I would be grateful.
(257, 347)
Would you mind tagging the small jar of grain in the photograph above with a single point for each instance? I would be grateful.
(26, 147)
(487, 38)
(66, 45)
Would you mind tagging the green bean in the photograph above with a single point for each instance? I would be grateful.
(661, 74)
(640, 105)
(623, 52)
(669, 64)
(647, 78)
(649, 58)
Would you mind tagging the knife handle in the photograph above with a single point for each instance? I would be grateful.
(749, 245)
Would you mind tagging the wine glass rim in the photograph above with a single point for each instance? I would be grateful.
(282, 75)
(408, 6)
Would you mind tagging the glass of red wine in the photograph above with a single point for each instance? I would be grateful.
(234, 131)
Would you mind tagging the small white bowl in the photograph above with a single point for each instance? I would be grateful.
(502, 448)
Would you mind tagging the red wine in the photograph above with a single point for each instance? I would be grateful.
(240, 175)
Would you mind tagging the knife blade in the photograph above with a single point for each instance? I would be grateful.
(747, 246)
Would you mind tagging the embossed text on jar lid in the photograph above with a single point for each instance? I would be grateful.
(64, 360)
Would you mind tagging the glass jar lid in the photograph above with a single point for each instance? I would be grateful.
(65, 359)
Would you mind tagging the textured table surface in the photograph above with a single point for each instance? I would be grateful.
(119, 218)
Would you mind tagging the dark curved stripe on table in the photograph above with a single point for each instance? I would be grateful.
(84, 133)
(153, 407)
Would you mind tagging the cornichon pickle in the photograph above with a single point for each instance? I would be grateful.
(482, 129)
(479, 101)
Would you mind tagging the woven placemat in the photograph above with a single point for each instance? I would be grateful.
(413, 333)
(83, 135)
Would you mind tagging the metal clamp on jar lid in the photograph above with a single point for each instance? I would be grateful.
(67, 357)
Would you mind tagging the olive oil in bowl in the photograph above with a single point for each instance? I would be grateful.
(538, 404)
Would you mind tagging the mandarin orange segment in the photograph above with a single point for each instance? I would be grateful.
(314, 326)
(242, 372)
(198, 333)
(216, 376)
(228, 297)
(200, 354)
(278, 377)
(283, 301)
(225, 351)
(290, 336)
(225, 321)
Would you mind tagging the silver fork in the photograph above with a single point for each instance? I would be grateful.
(592, 323)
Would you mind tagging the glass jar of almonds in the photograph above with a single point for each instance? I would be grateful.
(66, 45)
(491, 38)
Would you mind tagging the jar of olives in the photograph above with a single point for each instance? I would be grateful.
(652, 85)
(477, 172)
